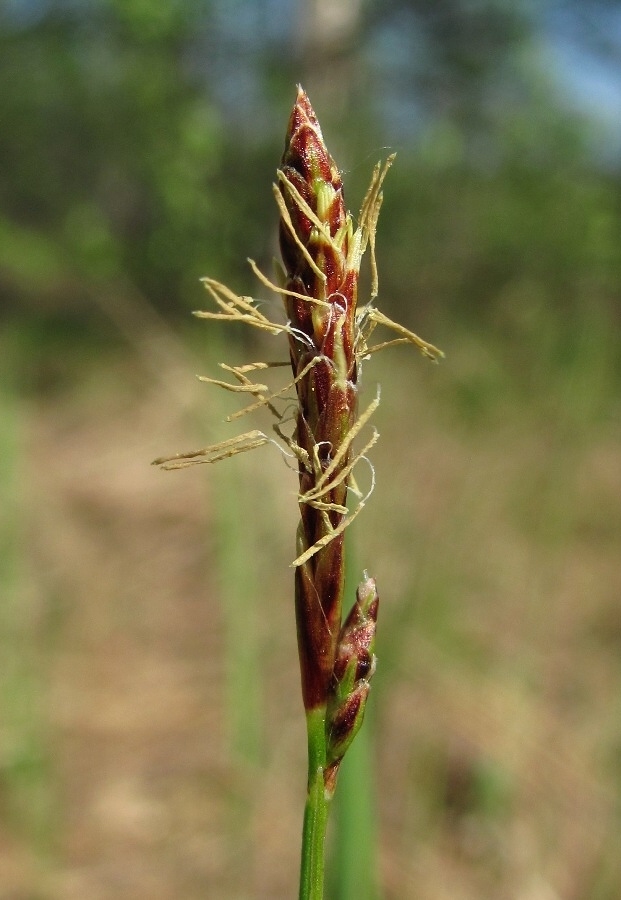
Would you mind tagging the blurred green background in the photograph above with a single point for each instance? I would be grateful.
(151, 732)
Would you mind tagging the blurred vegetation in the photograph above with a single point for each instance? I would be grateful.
(137, 148)
(138, 141)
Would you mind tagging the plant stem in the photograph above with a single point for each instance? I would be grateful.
(316, 810)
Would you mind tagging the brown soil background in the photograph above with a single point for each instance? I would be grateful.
(496, 726)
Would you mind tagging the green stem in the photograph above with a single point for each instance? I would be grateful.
(316, 810)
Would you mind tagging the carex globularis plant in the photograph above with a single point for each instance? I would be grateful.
(328, 332)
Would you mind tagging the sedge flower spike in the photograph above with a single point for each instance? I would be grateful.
(322, 252)
(328, 334)
(321, 256)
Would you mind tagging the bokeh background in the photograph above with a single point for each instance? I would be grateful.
(151, 733)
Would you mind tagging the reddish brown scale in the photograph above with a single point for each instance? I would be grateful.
(344, 719)
(321, 378)
(312, 160)
(300, 313)
(349, 287)
(358, 635)
(316, 648)
(306, 151)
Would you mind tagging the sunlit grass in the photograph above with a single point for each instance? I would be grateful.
(26, 775)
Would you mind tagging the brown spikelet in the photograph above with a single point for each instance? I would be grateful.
(316, 234)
